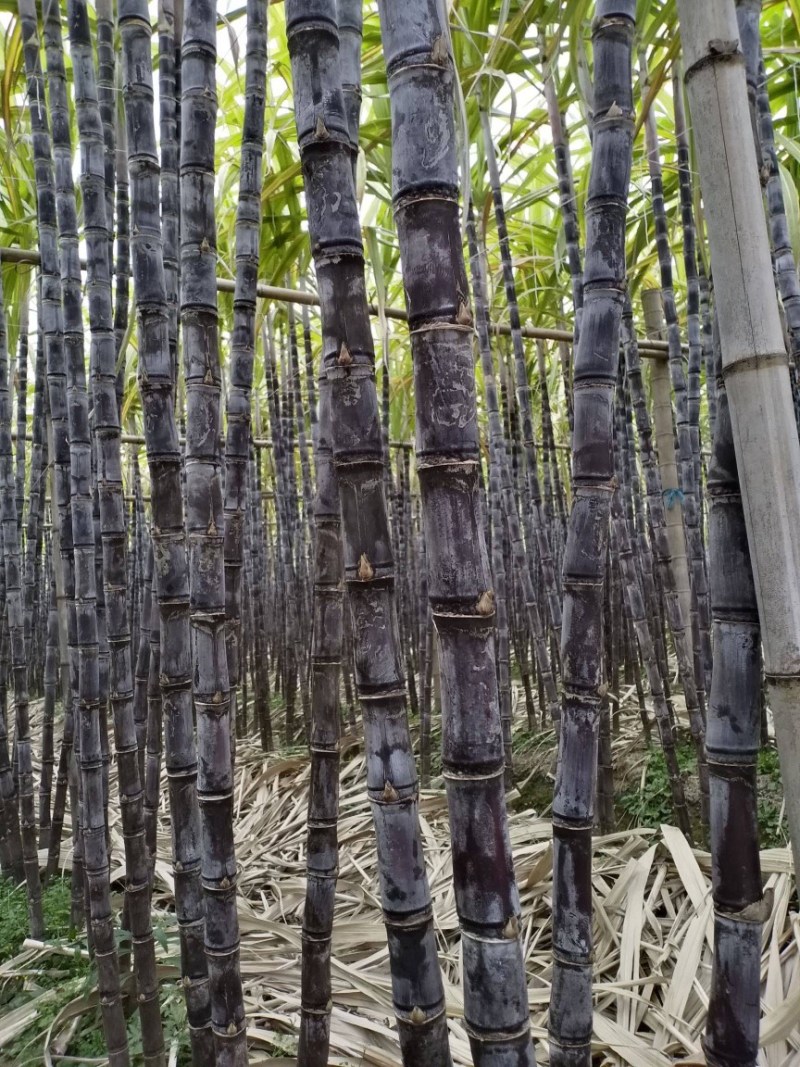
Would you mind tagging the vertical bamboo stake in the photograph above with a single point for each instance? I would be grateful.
(754, 361)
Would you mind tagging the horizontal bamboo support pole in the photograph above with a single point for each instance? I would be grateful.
(649, 349)
(257, 442)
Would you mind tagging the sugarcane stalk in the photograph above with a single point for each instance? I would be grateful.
(595, 374)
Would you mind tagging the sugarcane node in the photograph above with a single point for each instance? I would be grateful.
(231, 1029)
(321, 130)
(417, 1016)
(344, 359)
(366, 572)
(485, 605)
(390, 794)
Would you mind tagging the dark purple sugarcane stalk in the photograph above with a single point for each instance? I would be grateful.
(48, 720)
(627, 473)
(294, 542)
(43, 571)
(501, 606)
(533, 518)
(21, 382)
(288, 584)
(205, 527)
(784, 266)
(11, 849)
(693, 320)
(256, 534)
(604, 787)
(424, 622)
(732, 744)
(142, 668)
(103, 654)
(323, 805)
(243, 337)
(122, 264)
(92, 737)
(15, 617)
(564, 356)
(36, 485)
(67, 393)
(357, 440)
(137, 533)
(425, 193)
(156, 387)
(708, 347)
(113, 576)
(154, 740)
(306, 529)
(65, 772)
(311, 393)
(106, 85)
(291, 501)
(350, 14)
(553, 489)
(631, 567)
(50, 189)
(519, 599)
(595, 375)
(499, 459)
(689, 464)
(633, 509)
(568, 202)
(404, 568)
(169, 145)
(661, 552)
(326, 657)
